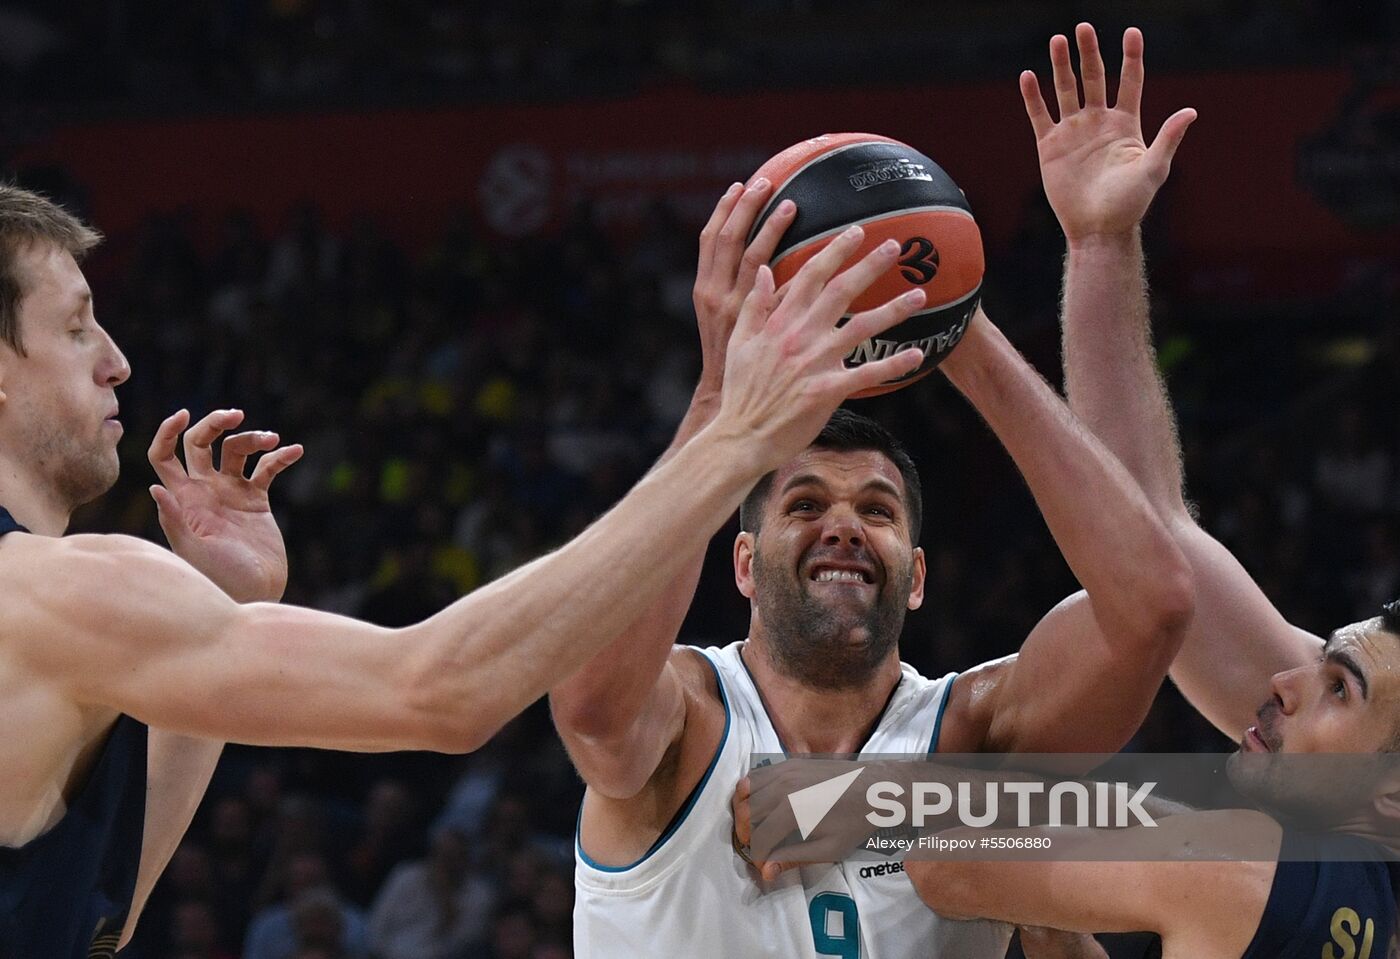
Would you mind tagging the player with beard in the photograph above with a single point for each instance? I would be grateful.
(828, 557)
(1315, 887)
(123, 667)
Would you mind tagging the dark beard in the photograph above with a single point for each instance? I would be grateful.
(812, 642)
(1313, 791)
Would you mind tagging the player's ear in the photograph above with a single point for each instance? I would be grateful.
(743, 563)
(916, 592)
(1385, 800)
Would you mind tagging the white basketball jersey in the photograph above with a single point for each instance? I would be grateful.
(692, 896)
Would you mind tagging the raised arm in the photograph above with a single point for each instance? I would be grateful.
(218, 520)
(1108, 649)
(1100, 176)
(119, 623)
(619, 713)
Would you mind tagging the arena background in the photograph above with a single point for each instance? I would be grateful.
(449, 247)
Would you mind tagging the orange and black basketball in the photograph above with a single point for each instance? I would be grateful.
(891, 190)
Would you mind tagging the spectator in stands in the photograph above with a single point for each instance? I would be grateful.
(432, 909)
(277, 930)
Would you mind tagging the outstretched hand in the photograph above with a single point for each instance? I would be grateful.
(785, 372)
(219, 520)
(726, 270)
(1100, 175)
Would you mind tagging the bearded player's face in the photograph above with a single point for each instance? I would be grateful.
(832, 569)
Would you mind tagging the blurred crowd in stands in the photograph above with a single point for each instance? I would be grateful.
(201, 54)
(469, 405)
(464, 410)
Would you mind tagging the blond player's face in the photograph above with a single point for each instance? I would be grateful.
(59, 399)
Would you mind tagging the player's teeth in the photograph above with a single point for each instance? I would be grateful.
(843, 575)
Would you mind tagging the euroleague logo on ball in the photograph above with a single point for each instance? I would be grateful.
(918, 259)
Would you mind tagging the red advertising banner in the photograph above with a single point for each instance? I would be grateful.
(1275, 191)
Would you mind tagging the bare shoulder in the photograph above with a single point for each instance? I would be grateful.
(618, 831)
(78, 607)
(50, 565)
(704, 719)
(81, 581)
(697, 677)
(972, 705)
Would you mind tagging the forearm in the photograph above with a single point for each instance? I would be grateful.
(1107, 531)
(496, 651)
(610, 692)
(1111, 373)
(1237, 639)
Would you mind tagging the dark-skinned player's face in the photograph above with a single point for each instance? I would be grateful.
(832, 570)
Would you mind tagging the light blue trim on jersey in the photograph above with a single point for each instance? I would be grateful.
(942, 708)
(690, 802)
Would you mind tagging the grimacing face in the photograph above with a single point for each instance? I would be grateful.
(59, 406)
(832, 570)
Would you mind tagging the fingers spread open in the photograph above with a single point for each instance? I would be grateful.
(1041, 121)
(1168, 138)
(811, 280)
(161, 452)
(1091, 69)
(758, 306)
(870, 375)
(862, 326)
(760, 251)
(710, 234)
(199, 439)
(167, 509)
(1130, 81)
(235, 450)
(1066, 86)
(735, 232)
(274, 463)
(835, 300)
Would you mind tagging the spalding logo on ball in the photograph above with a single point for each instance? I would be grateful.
(891, 190)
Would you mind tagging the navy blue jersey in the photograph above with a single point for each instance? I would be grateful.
(1335, 910)
(66, 894)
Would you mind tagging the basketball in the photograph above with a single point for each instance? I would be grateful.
(890, 190)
